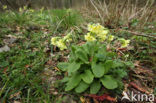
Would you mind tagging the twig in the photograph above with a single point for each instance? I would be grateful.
(138, 33)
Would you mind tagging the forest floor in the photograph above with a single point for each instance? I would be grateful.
(28, 62)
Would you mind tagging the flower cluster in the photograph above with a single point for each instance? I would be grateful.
(61, 42)
(25, 9)
(5, 7)
(124, 43)
(98, 32)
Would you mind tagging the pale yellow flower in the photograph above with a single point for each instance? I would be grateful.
(20, 9)
(67, 38)
(90, 27)
(54, 40)
(124, 43)
(104, 32)
(31, 10)
(88, 37)
(61, 44)
(41, 10)
(69, 10)
(25, 7)
(102, 35)
(95, 28)
(5, 7)
(110, 37)
(102, 38)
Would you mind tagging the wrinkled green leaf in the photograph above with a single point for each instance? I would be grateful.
(117, 63)
(87, 76)
(98, 70)
(74, 66)
(108, 65)
(91, 47)
(109, 82)
(65, 79)
(82, 55)
(95, 87)
(101, 57)
(129, 64)
(86, 48)
(111, 54)
(62, 66)
(81, 87)
(119, 73)
(72, 53)
(73, 82)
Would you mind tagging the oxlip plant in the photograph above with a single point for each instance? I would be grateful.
(92, 66)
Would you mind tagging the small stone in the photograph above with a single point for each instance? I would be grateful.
(4, 49)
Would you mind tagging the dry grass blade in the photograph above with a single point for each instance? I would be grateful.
(139, 33)
(122, 12)
(97, 10)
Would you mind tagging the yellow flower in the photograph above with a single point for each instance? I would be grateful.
(54, 40)
(67, 37)
(88, 37)
(31, 10)
(102, 38)
(4, 7)
(124, 43)
(69, 40)
(69, 10)
(98, 30)
(105, 32)
(110, 37)
(102, 35)
(20, 10)
(41, 10)
(90, 27)
(61, 44)
(25, 7)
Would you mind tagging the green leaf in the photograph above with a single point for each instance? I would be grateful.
(108, 65)
(101, 56)
(129, 64)
(94, 59)
(72, 53)
(81, 87)
(82, 55)
(63, 66)
(98, 70)
(95, 87)
(109, 82)
(120, 73)
(65, 79)
(73, 82)
(86, 48)
(74, 66)
(73, 49)
(94, 47)
(87, 76)
(117, 63)
(111, 54)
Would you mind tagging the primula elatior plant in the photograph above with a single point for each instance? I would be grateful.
(92, 66)
(61, 42)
